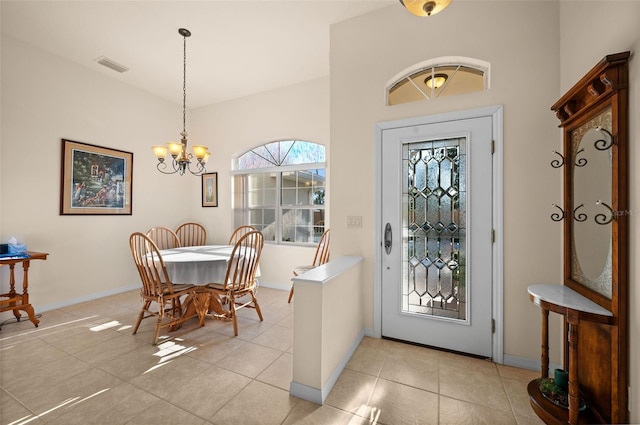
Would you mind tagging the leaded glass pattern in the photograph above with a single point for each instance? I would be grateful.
(282, 152)
(434, 225)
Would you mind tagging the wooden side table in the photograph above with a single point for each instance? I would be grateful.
(17, 301)
(575, 308)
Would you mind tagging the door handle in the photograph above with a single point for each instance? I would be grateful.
(388, 238)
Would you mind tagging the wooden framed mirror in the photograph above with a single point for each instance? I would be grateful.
(594, 116)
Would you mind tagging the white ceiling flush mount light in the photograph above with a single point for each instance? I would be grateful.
(425, 7)
(181, 161)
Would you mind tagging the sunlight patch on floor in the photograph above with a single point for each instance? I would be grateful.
(42, 330)
(29, 418)
(105, 326)
(373, 415)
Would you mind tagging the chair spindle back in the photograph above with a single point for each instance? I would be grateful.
(192, 234)
(239, 232)
(163, 237)
(243, 263)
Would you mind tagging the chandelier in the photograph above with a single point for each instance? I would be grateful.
(181, 159)
(425, 7)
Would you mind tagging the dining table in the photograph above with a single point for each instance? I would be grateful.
(199, 266)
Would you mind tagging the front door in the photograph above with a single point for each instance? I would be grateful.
(437, 256)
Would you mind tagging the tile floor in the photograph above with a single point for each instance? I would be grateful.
(83, 366)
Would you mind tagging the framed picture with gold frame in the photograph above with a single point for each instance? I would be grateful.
(210, 190)
(95, 180)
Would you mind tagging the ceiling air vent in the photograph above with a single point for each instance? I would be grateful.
(111, 64)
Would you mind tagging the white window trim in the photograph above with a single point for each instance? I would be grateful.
(281, 169)
(478, 64)
(278, 207)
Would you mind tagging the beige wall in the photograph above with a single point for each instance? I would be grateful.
(590, 31)
(45, 99)
(367, 51)
(231, 128)
(537, 50)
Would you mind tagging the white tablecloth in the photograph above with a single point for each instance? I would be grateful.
(198, 265)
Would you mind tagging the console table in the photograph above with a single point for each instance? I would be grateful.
(575, 308)
(593, 296)
(17, 301)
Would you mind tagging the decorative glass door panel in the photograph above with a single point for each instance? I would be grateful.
(433, 254)
(437, 253)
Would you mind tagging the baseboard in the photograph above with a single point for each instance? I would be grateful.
(525, 363)
(319, 395)
(98, 295)
(85, 298)
(281, 286)
(305, 392)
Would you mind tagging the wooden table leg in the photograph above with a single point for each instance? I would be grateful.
(12, 290)
(201, 300)
(215, 306)
(544, 357)
(189, 310)
(20, 301)
(26, 305)
(574, 386)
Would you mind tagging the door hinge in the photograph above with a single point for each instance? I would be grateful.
(493, 147)
(493, 326)
(493, 236)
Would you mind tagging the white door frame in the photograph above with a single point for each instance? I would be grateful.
(495, 112)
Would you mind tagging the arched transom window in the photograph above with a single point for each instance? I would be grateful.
(279, 188)
(437, 78)
(280, 153)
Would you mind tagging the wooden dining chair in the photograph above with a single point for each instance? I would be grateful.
(163, 237)
(192, 234)
(239, 232)
(321, 256)
(157, 288)
(240, 278)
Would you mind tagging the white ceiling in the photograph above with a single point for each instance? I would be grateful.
(237, 47)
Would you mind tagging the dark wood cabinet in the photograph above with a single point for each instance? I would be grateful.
(593, 115)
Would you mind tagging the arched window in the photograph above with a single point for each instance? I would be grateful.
(279, 188)
(446, 76)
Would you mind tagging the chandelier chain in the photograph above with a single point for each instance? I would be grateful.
(181, 159)
(184, 87)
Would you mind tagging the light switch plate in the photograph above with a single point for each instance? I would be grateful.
(354, 221)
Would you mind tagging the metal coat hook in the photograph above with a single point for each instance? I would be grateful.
(602, 217)
(558, 216)
(601, 144)
(557, 163)
(579, 216)
(580, 162)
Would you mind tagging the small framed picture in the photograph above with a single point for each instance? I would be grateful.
(210, 190)
(95, 180)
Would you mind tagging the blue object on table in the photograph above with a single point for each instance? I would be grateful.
(17, 248)
(14, 256)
